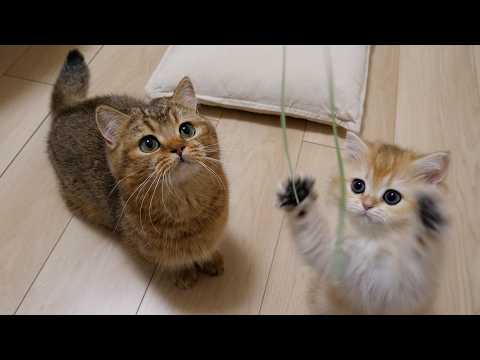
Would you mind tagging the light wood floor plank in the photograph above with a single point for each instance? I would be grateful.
(290, 277)
(380, 103)
(9, 54)
(23, 105)
(124, 69)
(32, 218)
(475, 51)
(438, 109)
(89, 272)
(255, 163)
(43, 62)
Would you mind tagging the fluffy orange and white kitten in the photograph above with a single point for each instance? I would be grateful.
(394, 224)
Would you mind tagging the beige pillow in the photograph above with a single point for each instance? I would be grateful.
(249, 78)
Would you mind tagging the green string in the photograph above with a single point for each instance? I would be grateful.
(339, 256)
(283, 122)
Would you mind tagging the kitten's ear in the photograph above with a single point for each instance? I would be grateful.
(356, 148)
(109, 122)
(433, 167)
(185, 94)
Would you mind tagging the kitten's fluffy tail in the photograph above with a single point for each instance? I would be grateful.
(72, 83)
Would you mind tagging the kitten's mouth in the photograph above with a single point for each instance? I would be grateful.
(365, 216)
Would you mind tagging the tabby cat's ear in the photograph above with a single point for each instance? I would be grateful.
(356, 148)
(433, 167)
(185, 94)
(109, 122)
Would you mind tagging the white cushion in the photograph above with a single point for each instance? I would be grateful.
(249, 78)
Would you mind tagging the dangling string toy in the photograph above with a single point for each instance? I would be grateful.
(283, 122)
(339, 256)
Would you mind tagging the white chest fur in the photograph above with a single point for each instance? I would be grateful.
(389, 275)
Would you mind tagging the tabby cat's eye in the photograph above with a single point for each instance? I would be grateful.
(149, 144)
(392, 197)
(358, 186)
(187, 130)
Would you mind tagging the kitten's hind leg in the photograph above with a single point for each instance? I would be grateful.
(213, 266)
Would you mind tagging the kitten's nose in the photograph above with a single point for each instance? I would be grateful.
(368, 203)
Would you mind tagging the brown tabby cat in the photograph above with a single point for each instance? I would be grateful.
(149, 171)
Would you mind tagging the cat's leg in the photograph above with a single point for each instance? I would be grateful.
(186, 278)
(213, 266)
(310, 229)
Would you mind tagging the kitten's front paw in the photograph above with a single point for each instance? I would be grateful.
(186, 278)
(286, 196)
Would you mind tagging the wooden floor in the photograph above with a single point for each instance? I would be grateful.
(425, 97)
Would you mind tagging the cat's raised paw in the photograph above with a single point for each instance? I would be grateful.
(286, 196)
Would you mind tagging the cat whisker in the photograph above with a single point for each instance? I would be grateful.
(207, 158)
(159, 178)
(126, 203)
(144, 197)
(159, 165)
(212, 172)
(171, 188)
(143, 187)
(118, 183)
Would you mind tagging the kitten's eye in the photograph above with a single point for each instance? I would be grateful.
(149, 144)
(187, 130)
(358, 186)
(392, 197)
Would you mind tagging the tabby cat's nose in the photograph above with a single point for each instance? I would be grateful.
(178, 150)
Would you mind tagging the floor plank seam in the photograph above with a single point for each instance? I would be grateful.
(41, 123)
(397, 105)
(10, 67)
(24, 145)
(396, 98)
(323, 145)
(475, 72)
(95, 55)
(146, 289)
(43, 265)
(281, 227)
(25, 79)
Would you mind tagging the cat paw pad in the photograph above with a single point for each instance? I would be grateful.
(286, 195)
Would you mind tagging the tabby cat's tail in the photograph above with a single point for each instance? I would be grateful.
(72, 83)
